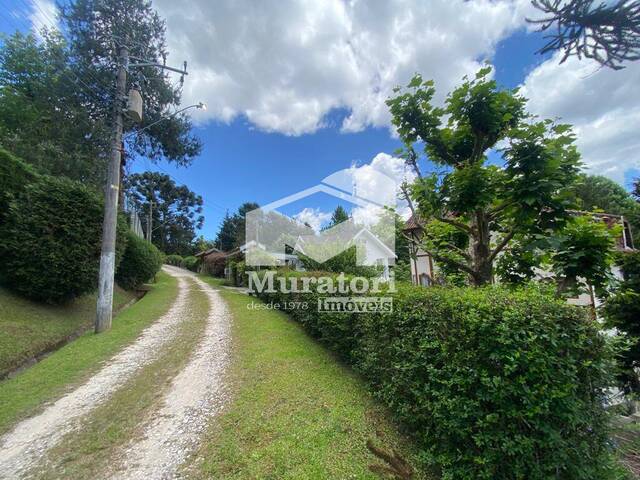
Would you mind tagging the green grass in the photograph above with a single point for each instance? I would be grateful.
(213, 281)
(91, 452)
(23, 395)
(30, 328)
(297, 413)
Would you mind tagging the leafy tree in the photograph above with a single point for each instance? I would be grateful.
(43, 114)
(595, 192)
(489, 205)
(607, 32)
(177, 211)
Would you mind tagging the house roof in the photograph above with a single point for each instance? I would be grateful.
(411, 224)
(207, 252)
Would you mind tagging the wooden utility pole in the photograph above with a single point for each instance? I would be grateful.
(108, 252)
(150, 222)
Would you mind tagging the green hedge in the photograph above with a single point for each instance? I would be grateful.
(494, 384)
(175, 260)
(50, 240)
(191, 263)
(140, 262)
(14, 176)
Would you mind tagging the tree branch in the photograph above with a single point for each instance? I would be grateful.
(440, 258)
(503, 243)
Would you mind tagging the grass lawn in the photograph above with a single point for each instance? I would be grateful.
(93, 451)
(213, 281)
(30, 328)
(297, 412)
(23, 395)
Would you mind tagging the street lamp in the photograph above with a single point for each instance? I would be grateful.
(199, 106)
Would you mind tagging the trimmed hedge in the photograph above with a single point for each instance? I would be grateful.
(494, 384)
(190, 263)
(140, 262)
(50, 240)
(175, 260)
(14, 176)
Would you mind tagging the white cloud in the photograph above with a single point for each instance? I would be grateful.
(602, 104)
(285, 65)
(313, 217)
(43, 14)
(371, 185)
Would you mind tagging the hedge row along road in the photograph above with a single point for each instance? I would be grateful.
(191, 397)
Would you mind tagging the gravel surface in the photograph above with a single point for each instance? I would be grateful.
(27, 443)
(196, 394)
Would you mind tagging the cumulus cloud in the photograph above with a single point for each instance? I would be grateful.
(602, 104)
(285, 65)
(372, 185)
(313, 217)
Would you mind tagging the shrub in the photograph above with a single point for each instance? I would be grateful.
(622, 311)
(141, 261)
(175, 260)
(493, 383)
(191, 263)
(50, 240)
(15, 175)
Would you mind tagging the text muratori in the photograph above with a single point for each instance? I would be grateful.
(268, 282)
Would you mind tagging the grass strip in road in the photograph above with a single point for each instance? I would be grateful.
(30, 328)
(25, 394)
(93, 451)
(297, 412)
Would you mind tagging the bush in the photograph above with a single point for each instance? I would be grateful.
(191, 263)
(494, 384)
(50, 240)
(141, 261)
(622, 311)
(175, 260)
(15, 175)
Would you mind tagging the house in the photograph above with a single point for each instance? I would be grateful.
(424, 270)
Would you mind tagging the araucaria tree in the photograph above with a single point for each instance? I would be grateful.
(176, 210)
(493, 207)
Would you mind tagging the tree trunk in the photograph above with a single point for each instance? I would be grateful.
(480, 250)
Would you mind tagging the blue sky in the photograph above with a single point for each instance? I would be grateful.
(295, 89)
(240, 163)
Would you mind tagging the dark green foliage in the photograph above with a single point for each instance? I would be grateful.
(175, 260)
(176, 212)
(494, 383)
(141, 261)
(44, 113)
(338, 216)
(622, 311)
(232, 230)
(50, 242)
(595, 192)
(191, 263)
(14, 176)
(345, 262)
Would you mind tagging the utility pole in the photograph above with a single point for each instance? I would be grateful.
(108, 252)
(104, 308)
(150, 221)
